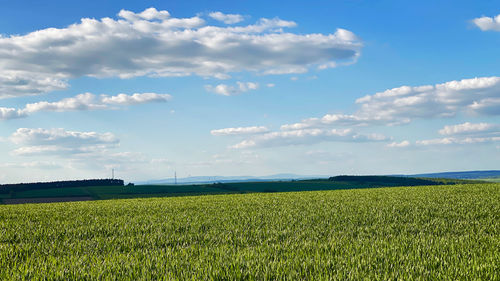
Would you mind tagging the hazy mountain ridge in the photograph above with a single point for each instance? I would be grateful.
(279, 177)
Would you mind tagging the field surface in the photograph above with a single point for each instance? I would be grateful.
(399, 233)
(144, 191)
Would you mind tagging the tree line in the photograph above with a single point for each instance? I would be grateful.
(6, 188)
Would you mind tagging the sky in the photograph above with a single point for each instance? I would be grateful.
(247, 88)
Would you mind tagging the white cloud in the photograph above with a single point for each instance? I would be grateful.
(308, 136)
(465, 133)
(60, 141)
(124, 99)
(152, 43)
(45, 165)
(477, 96)
(429, 101)
(487, 106)
(239, 131)
(10, 113)
(226, 18)
(468, 128)
(404, 143)
(453, 140)
(86, 101)
(487, 23)
(228, 90)
(270, 85)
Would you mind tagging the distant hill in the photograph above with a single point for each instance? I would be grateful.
(288, 177)
(461, 175)
(231, 179)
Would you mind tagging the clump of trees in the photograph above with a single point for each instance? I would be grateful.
(7, 188)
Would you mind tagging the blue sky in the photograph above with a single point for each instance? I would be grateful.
(247, 88)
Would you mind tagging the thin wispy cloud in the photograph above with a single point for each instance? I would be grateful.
(240, 131)
(226, 18)
(307, 137)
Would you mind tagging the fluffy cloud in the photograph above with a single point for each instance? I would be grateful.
(86, 101)
(488, 106)
(124, 99)
(59, 141)
(466, 133)
(477, 96)
(487, 23)
(226, 18)
(239, 131)
(152, 43)
(404, 143)
(440, 100)
(307, 136)
(10, 113)
(468, 128)
(228, 90)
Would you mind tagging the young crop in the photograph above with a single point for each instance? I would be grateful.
(407, 233)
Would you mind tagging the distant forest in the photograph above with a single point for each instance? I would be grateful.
(390, 181)
(6, 188)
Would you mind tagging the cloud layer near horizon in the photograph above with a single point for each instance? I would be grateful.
(152, 43)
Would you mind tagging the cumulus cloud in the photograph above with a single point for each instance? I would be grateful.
(452, 140)
(440, 100)
(487, 23)
(229, 90)
(239, 131)
(476, 96)
(226, 18)
(86, 101)
(124, 99)
(404, 143)
(59, 141)
(466, 133)
(487, 106)
(468, 128)
(152, 43)
(10, 113)
(307, 136)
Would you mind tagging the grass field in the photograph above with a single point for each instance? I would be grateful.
(496, 179)
(405, 233)
(144, 191)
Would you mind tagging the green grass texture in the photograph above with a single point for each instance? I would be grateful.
(442, 232)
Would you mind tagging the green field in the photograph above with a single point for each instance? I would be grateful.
(143, 191)
(400, 233)
(497, 179)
